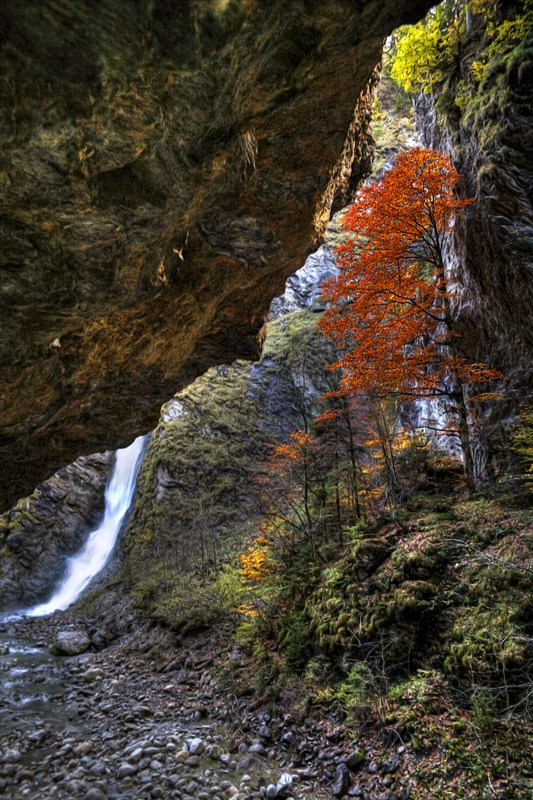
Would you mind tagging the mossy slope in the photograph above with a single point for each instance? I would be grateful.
(418, 632)
(196, 486)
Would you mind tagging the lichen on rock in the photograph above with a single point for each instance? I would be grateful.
(482, 118)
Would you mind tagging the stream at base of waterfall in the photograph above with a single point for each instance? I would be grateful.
(138, 720)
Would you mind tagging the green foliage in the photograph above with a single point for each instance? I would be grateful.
(392, 130)
(522, 444)
(488, 642)
(188, 602)
(503, 37)
(295, 339)
(462, 570)
(296, 643)
(426, 52)
(357, 693)
(418, 695)
(462, 752)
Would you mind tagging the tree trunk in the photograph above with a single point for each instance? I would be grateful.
(464, 435)
(353, 462)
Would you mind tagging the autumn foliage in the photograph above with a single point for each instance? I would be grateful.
(390, 304)
(391, 296)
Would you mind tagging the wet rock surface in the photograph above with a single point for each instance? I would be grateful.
(42, 530)
(490, 252)
(126, 724)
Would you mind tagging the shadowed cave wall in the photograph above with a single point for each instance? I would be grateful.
(165, 167)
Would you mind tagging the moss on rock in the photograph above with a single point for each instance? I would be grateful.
(194, 500)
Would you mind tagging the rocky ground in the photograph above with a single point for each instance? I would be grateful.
(137, 720)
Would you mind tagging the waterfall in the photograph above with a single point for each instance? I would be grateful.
(93, 556)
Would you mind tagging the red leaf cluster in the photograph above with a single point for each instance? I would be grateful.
(390, 304)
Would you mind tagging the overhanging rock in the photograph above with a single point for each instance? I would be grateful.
(165, 167)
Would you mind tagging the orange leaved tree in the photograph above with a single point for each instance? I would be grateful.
(390, 303)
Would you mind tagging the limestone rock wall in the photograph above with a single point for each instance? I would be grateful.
(196, 487)
(486, 127)
(164, 167)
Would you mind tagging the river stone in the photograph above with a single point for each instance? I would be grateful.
(92, 674)
(342, 781)
(250, 762)
(125, 770)
(195, 746)
(214, 751)
(355, 759)
(11, 756)
(95, 794)
(83, 748)
(135, 755)
(70, 643)
(284, 785)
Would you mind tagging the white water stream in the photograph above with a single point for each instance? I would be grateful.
(93, 556)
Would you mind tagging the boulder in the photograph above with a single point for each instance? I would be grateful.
(70, 643)
(342, 781)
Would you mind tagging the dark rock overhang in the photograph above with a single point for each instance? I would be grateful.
(165, 167)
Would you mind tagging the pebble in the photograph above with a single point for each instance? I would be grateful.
(126, 769)
(93, 674)
(195, 746)
(95, 794)
(11, 756)
(342, 780)
(83, 748)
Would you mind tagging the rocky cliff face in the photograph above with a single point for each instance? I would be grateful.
(42, 530)
(485, 124)
(195, 491)
(196, 481)
(165, 167)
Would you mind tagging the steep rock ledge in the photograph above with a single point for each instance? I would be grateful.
(197, 490)
(165, 167)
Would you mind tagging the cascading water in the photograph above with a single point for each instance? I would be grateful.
(93, 556)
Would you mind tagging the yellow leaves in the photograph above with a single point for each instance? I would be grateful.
(255, 565)
(246, 608)
(299, 441)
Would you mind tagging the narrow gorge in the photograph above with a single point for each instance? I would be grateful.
(222, 574)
